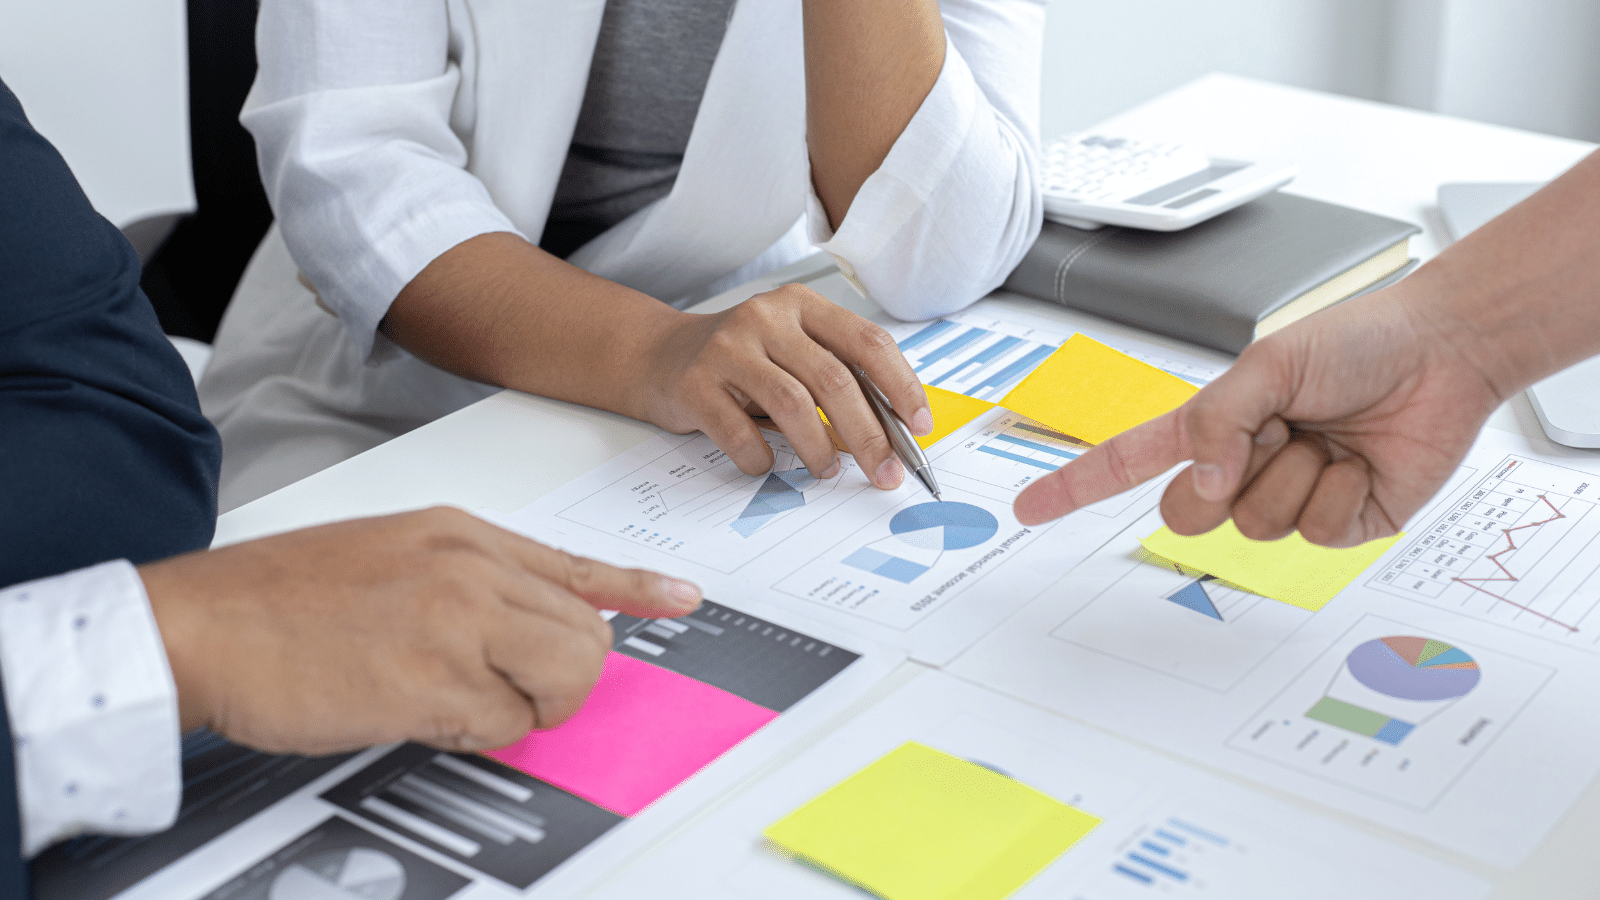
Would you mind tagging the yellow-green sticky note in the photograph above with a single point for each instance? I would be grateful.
(1093, 392)
(1292, 570)
(919, 824)
(950, 411)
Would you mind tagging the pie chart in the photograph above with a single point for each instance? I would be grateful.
(1414, 668)
(943, 526)
(359, 873)
(919, 534)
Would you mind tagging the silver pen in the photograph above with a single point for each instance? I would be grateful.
(905, 446)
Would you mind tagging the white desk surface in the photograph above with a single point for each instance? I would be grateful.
(497, 454)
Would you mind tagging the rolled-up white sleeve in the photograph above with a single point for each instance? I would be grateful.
(956, 202)
(92, 706)
(351, 115)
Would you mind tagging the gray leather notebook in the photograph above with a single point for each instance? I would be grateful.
(1225, 282)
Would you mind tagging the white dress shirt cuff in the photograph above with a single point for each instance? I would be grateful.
(92, 706)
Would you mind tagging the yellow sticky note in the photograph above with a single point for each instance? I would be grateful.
(919, 824)
(1092, 392)
(1292, 570)
(950, 411)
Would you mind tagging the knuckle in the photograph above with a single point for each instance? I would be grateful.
(506, 724)
(577, 570)
(794, 293)
(874, 337)
(1117, 463)
(791, 397)
(600, 633)
(834, 378)
(873, 446)
(722, 343)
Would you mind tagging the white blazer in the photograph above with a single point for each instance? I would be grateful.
(392, 130)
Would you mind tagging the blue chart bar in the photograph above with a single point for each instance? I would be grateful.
(1170, 872)
(1042, 448)
(982, 357)
(926, 334)
(1027, 460)
(1014, 371)
(1171, 837)
(1155, 848)
(1136, 875)
(1189, 378)
(951, 346)
(1199, 832)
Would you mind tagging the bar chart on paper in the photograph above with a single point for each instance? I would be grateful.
(985, 356)
(1173, 856)
(1521, 548)
(1007, 451)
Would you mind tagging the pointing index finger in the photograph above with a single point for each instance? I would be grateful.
(1125, 461)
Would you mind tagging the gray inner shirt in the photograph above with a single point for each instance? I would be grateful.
(651, 63)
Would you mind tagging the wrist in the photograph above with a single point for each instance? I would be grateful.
(182, 625)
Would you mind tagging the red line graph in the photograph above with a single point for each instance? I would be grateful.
(1505, 575)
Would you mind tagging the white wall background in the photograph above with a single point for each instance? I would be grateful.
(107, 82)
(105, 79)
(1531, 64)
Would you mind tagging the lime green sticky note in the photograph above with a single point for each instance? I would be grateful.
(1292, 570)
(919, 824)
(1093, 392)
(950, 411)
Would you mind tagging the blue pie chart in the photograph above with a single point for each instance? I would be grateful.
(960, 525)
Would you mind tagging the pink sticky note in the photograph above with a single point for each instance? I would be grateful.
(643, 732)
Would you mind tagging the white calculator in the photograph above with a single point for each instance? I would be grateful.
(1092, 180)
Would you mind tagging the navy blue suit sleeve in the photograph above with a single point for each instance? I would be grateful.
(103, 451)
(13, 869)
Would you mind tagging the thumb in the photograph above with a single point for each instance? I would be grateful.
(1230, 430)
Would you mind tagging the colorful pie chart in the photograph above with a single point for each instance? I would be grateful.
(1414, 668)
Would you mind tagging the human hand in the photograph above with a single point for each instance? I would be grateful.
(1340, 426)
(431, 626)
(783, 354)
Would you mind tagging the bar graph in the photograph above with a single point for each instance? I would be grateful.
(515, 827)
(978, 361)
(1166, 855)
(983, 356)
(1006, 453)
(504, 824)
(745, 655)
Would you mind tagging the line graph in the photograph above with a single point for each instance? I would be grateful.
(1505, 575)
(1521, 548)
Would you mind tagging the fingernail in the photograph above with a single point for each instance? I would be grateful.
(1208, 481)
(832, 470)
(922, 422)
(890, 474)
(683, 594)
